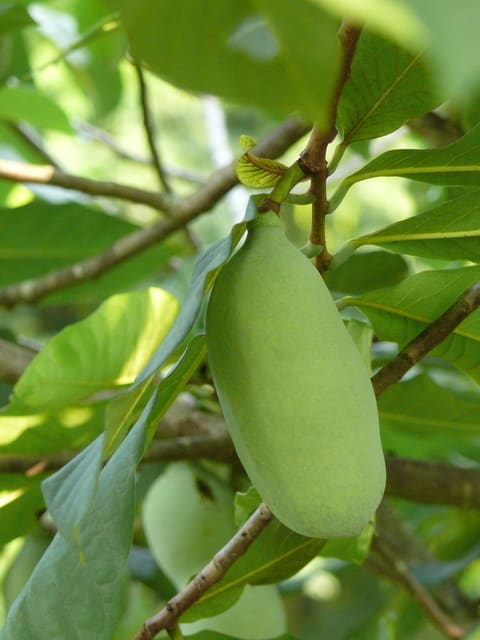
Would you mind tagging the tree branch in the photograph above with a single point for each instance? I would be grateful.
(149, 128)
(313, 160)
(211, 574)
(14, 359)
(429, 338)
(182, 212)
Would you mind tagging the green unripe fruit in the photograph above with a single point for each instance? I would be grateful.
(188, 516)
(295, 393)
(257, 614)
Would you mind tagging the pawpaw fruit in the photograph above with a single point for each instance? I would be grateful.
(188, 516)
(294, 391)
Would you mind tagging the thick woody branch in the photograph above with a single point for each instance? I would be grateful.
(181, 213)
(211, 574)
(428, 339)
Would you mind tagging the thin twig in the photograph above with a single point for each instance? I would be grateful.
(399, 569)
(313, 160)
(210, 575)
(149, 128)
(429, 338)
(182, 212)
(30, 136)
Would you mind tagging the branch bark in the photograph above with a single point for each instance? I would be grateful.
(181, 213)
(211, 574)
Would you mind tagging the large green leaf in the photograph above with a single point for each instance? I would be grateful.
(458, 164)
(205, 271)
(19, 104)
(13, 17)
(450, 231)
(453, 41)
(20, 501)
(106, 350)
(37, 434)
(289, 74)
(363, 272)
(76, 589)
(422, 406)
(386, 86)
(401, 312)
(41, 237)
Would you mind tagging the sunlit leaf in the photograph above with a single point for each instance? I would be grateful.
(20, 501)
(450, 231)
(386, 87)
(106, 350)
(19, 104)
(259, 173)
(457, 164)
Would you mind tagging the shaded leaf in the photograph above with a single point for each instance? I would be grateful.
(457, 164)
(449, 231)
(13, 17)
(386, 87)
(422, 406)
(350, 549)
(69, 492)
(259, 173)
(41, 237)
(401, 312)
(90, 576)
(205, 271)
(20, 501)
(235, 65)
(105, 350)
(19, 104)
(366, 271)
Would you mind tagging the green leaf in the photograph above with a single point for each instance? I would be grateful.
(275, 555)
(390, 18)
(453, 40)
(37, 434)
(124, 409)
(90, 576)
(271, 69)
(350, 549)
(366, 271)
(205, 271)
(13, 17)
(450, 231)
(401, 312)
(386, 87)
(259, 173)
(41, 237)
(422, 406)
(105, 350)
(214, 635)
(20, 501)
(19, 104)
(69, 492)
(457, 164)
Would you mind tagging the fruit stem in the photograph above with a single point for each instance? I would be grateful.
(280, 193)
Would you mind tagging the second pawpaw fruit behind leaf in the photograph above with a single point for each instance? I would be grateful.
(295, 393)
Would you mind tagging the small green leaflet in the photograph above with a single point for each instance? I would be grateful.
(259, 173)
(401, 312)
(458, 164)
(450, 231)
